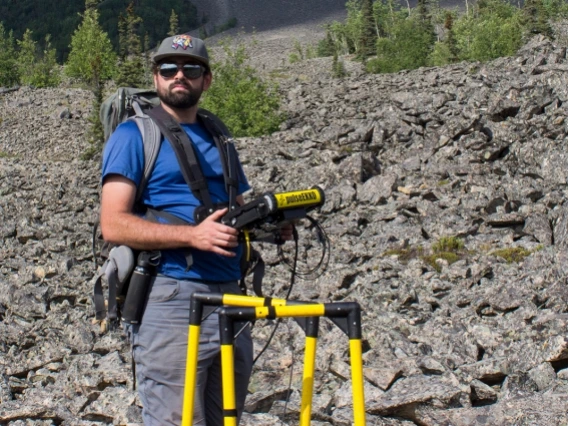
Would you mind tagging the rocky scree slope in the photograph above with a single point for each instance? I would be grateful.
(475, 152)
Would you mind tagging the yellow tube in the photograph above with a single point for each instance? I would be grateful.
(356, 354)
(190, 375)
(302, 198)
(249, 301)
(308, 381)
(228, 380)
(309, 310)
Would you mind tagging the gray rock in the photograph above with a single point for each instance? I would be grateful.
(469, 151)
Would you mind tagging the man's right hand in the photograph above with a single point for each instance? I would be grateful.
(211, 235)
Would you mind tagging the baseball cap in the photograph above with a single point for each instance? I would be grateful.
(182, 45)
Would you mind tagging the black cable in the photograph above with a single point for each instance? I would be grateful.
(323, 262)
(292, 281)
(289, 392)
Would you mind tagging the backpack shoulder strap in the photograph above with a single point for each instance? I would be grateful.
(151, 138)
(227, 152)
(185, 153)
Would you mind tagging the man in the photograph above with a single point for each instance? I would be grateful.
(181, 74)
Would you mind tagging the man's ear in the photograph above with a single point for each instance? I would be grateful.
(207, 79)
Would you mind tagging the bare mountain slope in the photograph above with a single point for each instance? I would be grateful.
(265, 15)
(271, 14)
(471, 153)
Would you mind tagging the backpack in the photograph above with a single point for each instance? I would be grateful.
(143, 107)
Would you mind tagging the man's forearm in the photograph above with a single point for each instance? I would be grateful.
(141, 234)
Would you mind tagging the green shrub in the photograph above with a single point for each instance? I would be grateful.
(35, 68)
(556, 9)
(513, 254)
(451, 249)
(47, 72)
(408, 46)
(448, 248)
(248, 105)
(448, 244)
(326, 46)
(338, 67)
(493, 30)
(9, 72)
(294, 57)
(447, 256)
(441, 55)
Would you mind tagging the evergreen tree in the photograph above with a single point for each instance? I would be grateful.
(174, 24)
(38, 69)
(384, 12)
(27, 57)
(423, 12)
(353, 26)
(147, 59)
(92, 60)
(9, 71)
(450, 38)
(535, 18)
(122, 38)
(368, 34)
(46, 72)
(338, 67)
(326, 47)
(131, 68)
(424, 18)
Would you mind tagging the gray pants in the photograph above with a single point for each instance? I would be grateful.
(160, 350)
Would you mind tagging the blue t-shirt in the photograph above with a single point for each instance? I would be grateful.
(168, 191)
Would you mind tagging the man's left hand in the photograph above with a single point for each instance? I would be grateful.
(287, 232)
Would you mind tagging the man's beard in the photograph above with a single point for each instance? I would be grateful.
(180, 100)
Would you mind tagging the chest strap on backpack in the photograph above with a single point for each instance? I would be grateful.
(153, 215)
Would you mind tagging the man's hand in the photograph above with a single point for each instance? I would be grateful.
(287, 232)
(210, 235)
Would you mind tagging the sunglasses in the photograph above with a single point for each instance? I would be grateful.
(190, 71)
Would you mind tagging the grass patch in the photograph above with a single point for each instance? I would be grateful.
(448, 248)
(515, 254)
(278, 74)
(451, 249)
(448, 244)
(446, 255)
(4, 154)
(405, 255)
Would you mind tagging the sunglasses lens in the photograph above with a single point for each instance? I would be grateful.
(168, 70)
(192, 71)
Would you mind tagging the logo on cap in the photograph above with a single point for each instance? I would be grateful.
(183, 41)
